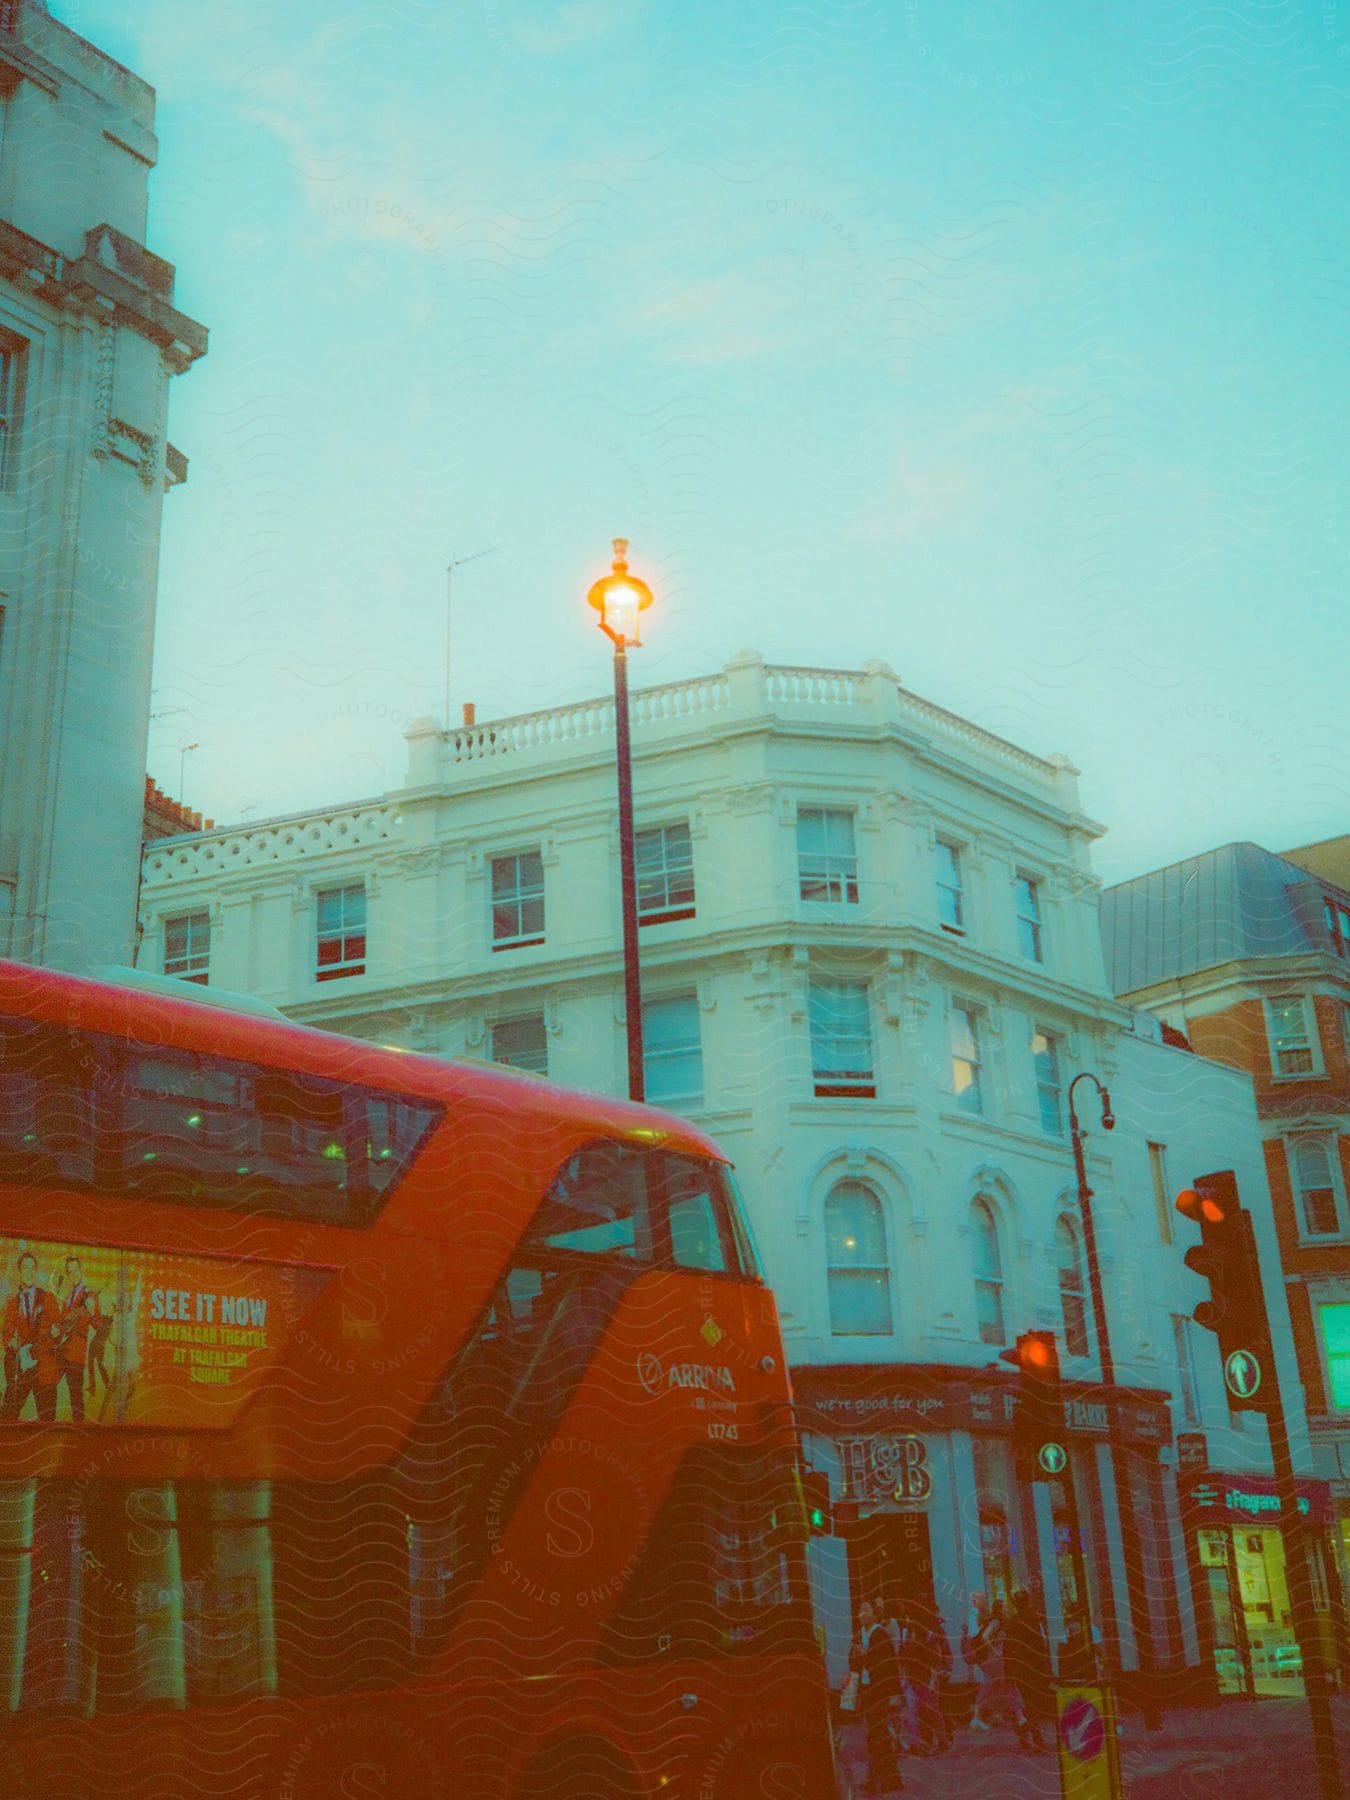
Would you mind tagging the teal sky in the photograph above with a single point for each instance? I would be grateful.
(1003, 340)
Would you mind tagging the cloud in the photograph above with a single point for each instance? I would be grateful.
(920, 499)
(567, 27)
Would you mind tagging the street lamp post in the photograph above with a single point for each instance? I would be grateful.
(1089, 1229)
(619, 598)
(1130, 1543)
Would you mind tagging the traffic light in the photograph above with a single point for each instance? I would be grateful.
(1038, 1423)
(1235, 1311)
(816, 1492)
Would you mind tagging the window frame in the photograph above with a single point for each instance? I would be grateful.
(1075, 1298)
(1184, 1352)
(1033, 920)
(841, 1083)
(1292, 1046)
(982, 1208)
(668, 910)
(522, 1018)
(346, 966)
(1319, 1302)
(956, 887)
(1052, 1041)
(13, 380)
(196, 964)
(834, 1268)
(1328, 1142)
(974, 1015)
(839, 868)
(1162, 1194)
(520, 896)
(680, 1052)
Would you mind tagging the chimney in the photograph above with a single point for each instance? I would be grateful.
(468, 714)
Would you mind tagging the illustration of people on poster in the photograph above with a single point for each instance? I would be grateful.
(109, 1336)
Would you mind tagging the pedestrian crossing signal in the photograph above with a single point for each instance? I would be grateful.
(816, 1492)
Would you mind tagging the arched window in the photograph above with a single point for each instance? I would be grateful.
(1315, 1187)
(988, 1273)
(1072, 1287)
(859, 1267)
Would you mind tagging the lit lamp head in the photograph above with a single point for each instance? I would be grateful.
(619, 598)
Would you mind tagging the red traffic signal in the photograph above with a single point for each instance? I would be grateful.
(1036, 1355)
(1038, 1421)
(1207, 1205)
(1235, 1311)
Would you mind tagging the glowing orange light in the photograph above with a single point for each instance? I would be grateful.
(620, 597)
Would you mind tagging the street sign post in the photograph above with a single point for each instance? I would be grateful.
(1085, 1736)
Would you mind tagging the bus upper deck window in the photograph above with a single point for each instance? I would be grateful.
(46, 1104)
(86, 1109)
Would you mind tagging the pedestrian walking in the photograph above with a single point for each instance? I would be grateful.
(890, 1618)
(1026, 1662)
(873, 1659)
(996, 1698)
(976, 1651)
(926, 1659)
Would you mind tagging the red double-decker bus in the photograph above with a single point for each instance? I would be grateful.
(377, 1425)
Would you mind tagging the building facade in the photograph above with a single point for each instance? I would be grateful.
(1248, 954)
(89, 339)
(871, 966)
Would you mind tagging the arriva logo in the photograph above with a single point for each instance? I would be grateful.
(658, 1377)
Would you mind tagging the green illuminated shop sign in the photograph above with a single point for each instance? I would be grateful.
(1217, 1496)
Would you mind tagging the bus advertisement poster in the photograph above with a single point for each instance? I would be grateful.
(104, 1335)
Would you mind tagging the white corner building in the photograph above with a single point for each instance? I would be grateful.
(871, 965)
(89, 338)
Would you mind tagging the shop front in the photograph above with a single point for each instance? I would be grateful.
(1238, 1571)
(927, 1505)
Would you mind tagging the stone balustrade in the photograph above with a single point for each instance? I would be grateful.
(746, 688)
(286, 841)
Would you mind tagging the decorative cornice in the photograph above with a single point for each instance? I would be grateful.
(113, 273)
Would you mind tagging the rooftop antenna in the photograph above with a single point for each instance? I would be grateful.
(457, 562)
